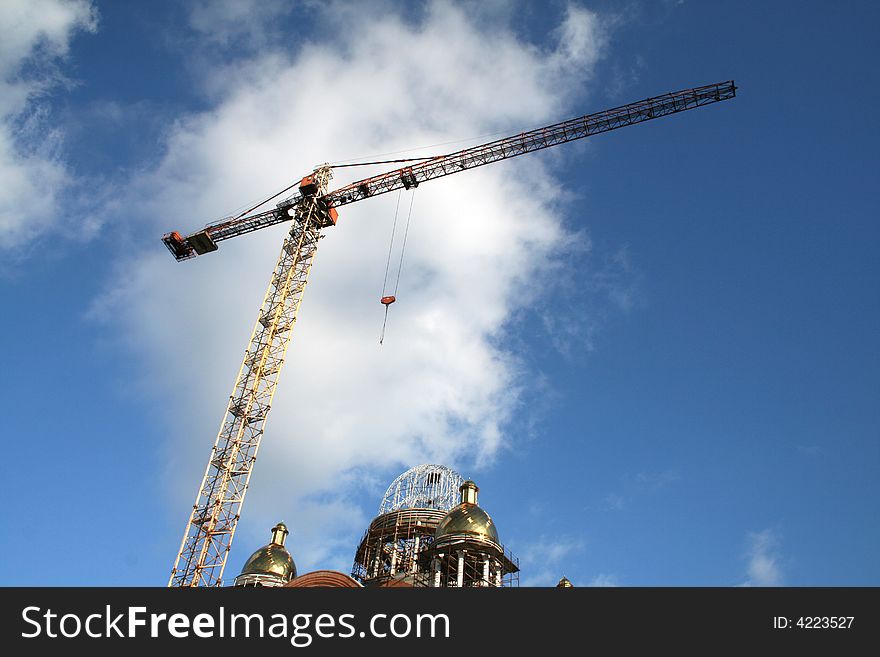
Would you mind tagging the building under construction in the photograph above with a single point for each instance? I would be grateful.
(430, 532)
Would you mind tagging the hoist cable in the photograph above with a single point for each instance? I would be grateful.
(391, 245)
(403, 247)
(365, 164)
(266, 201)
(400, 262)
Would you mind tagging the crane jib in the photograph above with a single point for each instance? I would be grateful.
(408, 177)
(534, 140)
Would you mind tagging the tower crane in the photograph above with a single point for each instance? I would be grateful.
(217, 508)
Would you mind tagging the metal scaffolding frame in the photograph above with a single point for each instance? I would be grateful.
(427, 486)
(393, 547)
(465, 560)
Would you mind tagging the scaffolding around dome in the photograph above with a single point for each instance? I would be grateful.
(393, 548)
(466, 550)
(464, 561)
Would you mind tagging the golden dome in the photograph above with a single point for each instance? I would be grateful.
(467, 517)
(272, 559)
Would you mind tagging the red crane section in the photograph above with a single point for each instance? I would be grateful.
(407, 177)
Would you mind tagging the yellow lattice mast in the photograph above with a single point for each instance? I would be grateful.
(217, 508)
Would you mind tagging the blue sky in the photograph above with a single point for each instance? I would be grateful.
(656, 351)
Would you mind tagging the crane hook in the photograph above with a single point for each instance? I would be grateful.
(386, 301)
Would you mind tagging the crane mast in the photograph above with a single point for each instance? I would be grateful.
(207, 539)
(217, 508)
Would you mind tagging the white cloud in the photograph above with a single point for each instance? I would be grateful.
(614, 502)
(442, 388)
(657, 480)
(809, 450)
(763, 565)
(36, 34)
(541, 560)
(581, 38)
(612, 288)
(604, 580)
(237, 23)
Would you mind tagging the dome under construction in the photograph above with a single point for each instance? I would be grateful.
(427, 486)
(409, 513)
(431, 532)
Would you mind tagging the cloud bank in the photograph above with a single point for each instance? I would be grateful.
(33, 174)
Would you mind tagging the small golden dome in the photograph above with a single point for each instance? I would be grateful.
(272, 559)
(467, 517)
(565, 583)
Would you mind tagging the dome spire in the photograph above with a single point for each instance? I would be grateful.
(279, 534)
(469, 492)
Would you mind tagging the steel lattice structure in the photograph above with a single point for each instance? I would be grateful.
(423, 487)
(208, 536)
(211, 526)
(502, 149)
(394, 545)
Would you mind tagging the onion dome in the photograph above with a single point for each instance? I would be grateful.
(467, 518)
(271, 565)
(565, 583)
